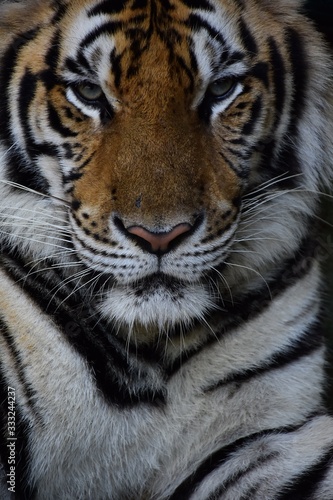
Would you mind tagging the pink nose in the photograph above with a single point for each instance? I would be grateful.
(160, 242)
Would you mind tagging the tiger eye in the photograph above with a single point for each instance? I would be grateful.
(89, 91)
(220, 88)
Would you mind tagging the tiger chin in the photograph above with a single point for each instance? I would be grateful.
(161, 163)
(155, 306)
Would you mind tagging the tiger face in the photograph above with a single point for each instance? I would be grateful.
(147, 124)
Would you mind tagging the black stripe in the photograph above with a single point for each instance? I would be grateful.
(121, 378)
(288, 158)
(279, 77)
(249, 305)
(106, 112)
(166, 4)
(115, 61)
(56, 123)
(298, 58)
(254, 117)
(29, 393)
(28, 87)
(196, 23)
(305, 486)
(218, 492)
(8, 61)
(139, 42)
(48, 78)
(52, 55)
(249, 494)
(22, 489)
(108, 8)
(238, 153)
(240, 141)
(139, 4)
(310, 341)
(69, 112)
(260, 71)
(182, 64)
(241, 171)
(199, 4)
(18, 170)
(109, 28)
(69, 151)
(74, 67)
(86, 162)
(217, 234)
(46, 149)
(233, 58)
(289, 272)
(83, 61)
(21, 171)
(205, 110)
(248, 40)
(98, 252)
(287, 162)
(219, 458)
(240, 4)
(61, 11)
(72, 176)
(193, 58)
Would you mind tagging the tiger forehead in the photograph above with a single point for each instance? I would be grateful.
(148, 43)
(138, 20)
(138, 32)
(151, 13)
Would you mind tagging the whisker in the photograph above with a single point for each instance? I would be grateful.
(272, 182)
(269, 197)
(28, 238)
(252, 270)
(215, 289)
(31, 221)
(30, 190)
(323, 220)
(63, 252)
(39, 235)
(224, 281)
(244, 240)
(78, 275)
(204, 322)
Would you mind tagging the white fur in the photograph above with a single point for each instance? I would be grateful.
(160, 445)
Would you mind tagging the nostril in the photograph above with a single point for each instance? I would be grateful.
(160, 242)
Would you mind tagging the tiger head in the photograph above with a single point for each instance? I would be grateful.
(173, 145)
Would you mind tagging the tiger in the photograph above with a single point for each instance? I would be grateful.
(161, 170)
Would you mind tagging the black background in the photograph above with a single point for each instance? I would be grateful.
(321, 11)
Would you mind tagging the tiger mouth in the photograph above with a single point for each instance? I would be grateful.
(150, 284)
(155, 303)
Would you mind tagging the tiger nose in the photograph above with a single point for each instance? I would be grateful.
(159, 242)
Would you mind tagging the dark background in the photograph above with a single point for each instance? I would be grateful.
(321, 11)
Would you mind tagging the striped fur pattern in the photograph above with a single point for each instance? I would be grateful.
(160, 170)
